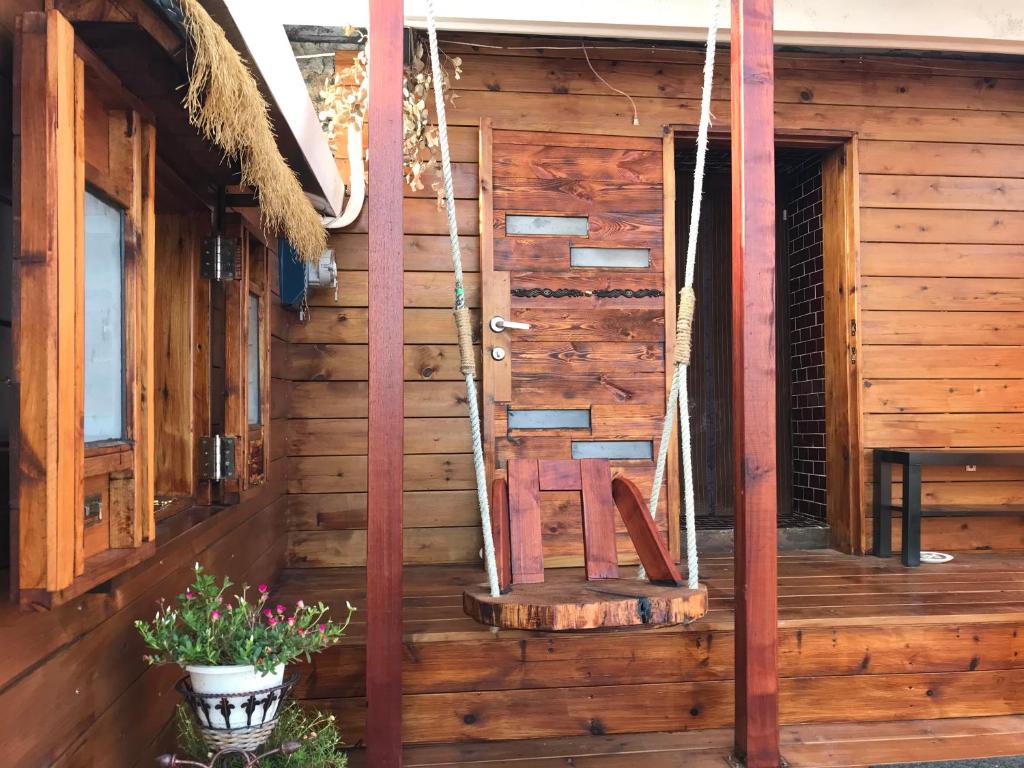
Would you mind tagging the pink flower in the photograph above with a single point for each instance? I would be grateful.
(267, 612)
(215, 615)
(323, 628)
(263, 588)
(300, 604)
(291, 621)
(281, 608)
(189, 594)
(272, 622)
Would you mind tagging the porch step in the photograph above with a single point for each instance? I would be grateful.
(860, 639)
(722, 541)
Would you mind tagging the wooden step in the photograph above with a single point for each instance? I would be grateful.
(622, 709)
(840, 745)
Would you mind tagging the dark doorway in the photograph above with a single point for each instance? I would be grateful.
(800, 406)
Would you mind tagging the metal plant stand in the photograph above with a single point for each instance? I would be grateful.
(251, 759)
(255, 713)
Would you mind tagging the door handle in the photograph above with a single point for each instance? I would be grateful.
(499, 324)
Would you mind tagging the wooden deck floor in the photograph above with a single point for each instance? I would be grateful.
(861, 640)
(840, 745)
(816, 588)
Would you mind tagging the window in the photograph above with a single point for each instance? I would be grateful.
(252, 352)
(552, 418)
(82, 343)
(247, 348)
(612, 449)
(524, 224)
(609, 258)
(104, 320)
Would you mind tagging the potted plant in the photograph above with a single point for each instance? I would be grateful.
(235, 646)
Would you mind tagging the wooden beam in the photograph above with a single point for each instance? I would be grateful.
(386, 400)
(753, 280)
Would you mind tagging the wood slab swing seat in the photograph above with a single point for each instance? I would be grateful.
(603, 600)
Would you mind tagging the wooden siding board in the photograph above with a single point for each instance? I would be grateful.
(939, 259)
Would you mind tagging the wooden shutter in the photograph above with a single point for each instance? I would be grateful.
(57, 558)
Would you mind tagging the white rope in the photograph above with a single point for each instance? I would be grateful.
(460, 303)
(678, 392)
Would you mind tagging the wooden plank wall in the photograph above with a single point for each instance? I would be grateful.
(80, 665)
(7, 16)
(942, 226)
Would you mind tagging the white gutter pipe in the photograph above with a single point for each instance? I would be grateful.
(357, 183)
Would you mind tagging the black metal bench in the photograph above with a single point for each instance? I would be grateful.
(911, 509)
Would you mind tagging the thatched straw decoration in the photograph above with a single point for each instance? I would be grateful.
(226, 105)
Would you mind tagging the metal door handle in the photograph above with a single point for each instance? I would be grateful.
(499, 324)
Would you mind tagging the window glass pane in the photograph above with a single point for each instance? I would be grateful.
(612, 449)
(104, 321)
(613, 258)
(253, 393)
(554, 418)
(546, 225)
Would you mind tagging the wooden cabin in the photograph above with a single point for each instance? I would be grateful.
(862, 235)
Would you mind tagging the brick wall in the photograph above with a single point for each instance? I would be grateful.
(806, 339)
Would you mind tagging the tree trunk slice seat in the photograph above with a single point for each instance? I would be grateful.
(557, 607)
(603, 600)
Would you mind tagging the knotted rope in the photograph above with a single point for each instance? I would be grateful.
(678, 395)
(463, 323)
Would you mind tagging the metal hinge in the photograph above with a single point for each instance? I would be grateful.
(853, 328)
(219, 260)
(853, 355)
(216, 457)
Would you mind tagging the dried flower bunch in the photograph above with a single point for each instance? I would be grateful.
(205, 628)
(343, 103)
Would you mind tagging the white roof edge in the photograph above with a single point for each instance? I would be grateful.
(968, 26)
(848, 40)
(270, 52)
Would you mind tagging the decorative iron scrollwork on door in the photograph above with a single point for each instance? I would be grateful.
(601, 293)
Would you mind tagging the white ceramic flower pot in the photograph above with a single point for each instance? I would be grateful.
(235, 684)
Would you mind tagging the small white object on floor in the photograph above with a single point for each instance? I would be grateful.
(935, 557)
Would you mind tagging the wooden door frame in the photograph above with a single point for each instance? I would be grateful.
(844, 453)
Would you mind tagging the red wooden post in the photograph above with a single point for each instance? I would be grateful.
(753, 296)
(386, 410)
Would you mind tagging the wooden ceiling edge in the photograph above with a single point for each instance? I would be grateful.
(137, 12)
(168, 179)
(110, 79)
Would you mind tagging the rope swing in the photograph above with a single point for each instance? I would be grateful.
(463, 322)
(678, 396)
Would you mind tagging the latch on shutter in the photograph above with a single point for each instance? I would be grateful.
(217, 457)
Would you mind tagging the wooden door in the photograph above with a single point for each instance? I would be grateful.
(573, 239)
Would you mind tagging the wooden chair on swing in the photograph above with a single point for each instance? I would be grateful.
(604, 599)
